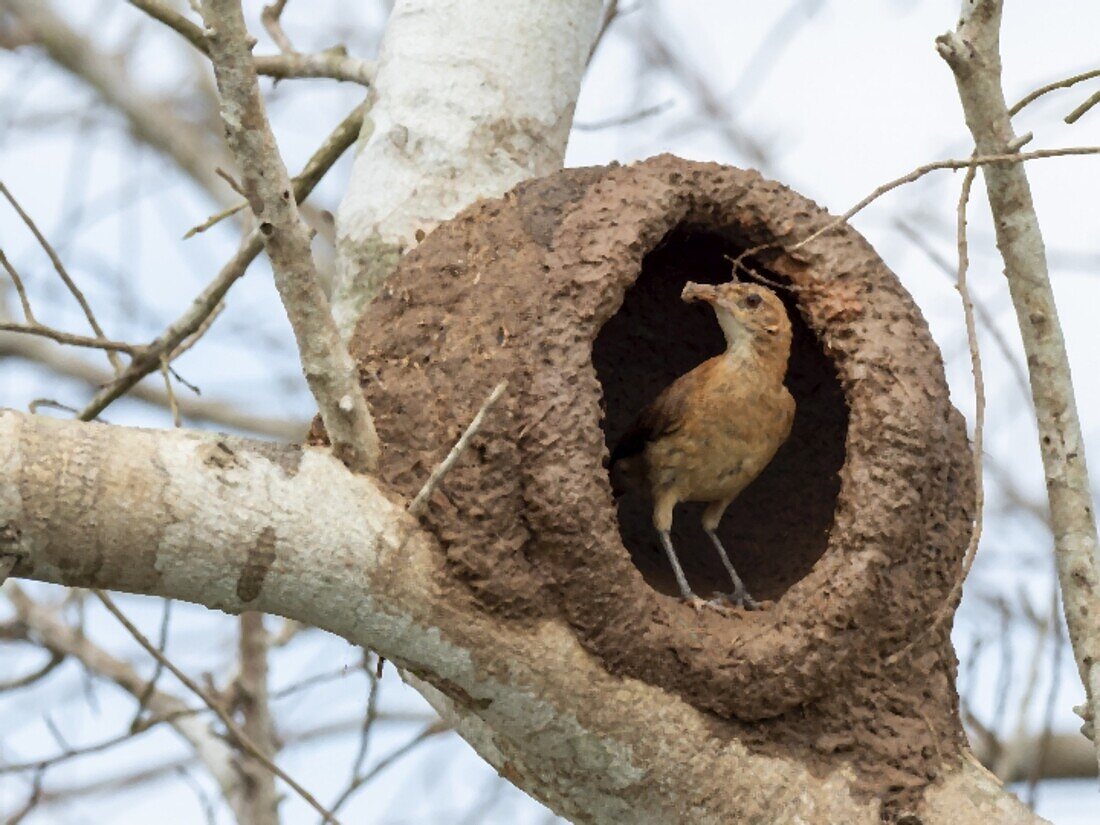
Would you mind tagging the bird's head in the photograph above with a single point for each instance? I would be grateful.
(747, 312)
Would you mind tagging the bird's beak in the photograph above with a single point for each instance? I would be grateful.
(699, 292)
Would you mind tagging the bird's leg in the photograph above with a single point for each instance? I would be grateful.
(681, 579)
(712, 516)
(663, 505)
(740, 593)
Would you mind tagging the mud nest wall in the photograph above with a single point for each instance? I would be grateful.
(568, 287)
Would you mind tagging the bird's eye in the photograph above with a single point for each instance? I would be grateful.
(753, 300)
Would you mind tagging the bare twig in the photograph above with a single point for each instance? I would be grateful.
(69, 338)
(220, 413)
(980, 311)
(623, 120)
(151, 120)
(63, 640)
(333, 63)
(434, 729)
(987, 159)
(418, 503)
(947, 609)
(162, 644)
(170, 393)
(1077, 113)
(311, 173)
(20, 290)
(208, 300)
(63, 273)
(330, 372)
(271, 17)
(1064, 83)
(35, 675)
(973, 53)
(238, 736)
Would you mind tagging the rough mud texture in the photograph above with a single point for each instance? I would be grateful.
(568, 288)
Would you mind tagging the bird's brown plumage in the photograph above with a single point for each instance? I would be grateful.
(712, 431)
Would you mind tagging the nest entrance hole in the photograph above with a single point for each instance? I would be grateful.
(779, 526)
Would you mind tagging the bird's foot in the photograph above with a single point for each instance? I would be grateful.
(738, 598)
(694, 602)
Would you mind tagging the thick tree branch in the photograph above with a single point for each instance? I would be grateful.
(329, 370)
(420, 164)
(973, 53)
(240, 525)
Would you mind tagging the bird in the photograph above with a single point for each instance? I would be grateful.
(713, 430)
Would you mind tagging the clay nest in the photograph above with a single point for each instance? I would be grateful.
(568, 287)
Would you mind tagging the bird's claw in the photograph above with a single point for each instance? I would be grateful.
(694, 602)
(740, 598)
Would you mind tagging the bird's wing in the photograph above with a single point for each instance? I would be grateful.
(664, 415)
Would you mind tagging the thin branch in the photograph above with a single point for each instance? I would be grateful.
(63, 273)
(207, 301)
(151, 685)
(973, 53)
(271, 18)
(332, 63)
(70, 338)
(63, 640)
(330, 371)
(418, 503)
(1076, 114)
(921, 171)
(237, 736)
(434, 729)
(980, 311)
(20, 290)
(315, 168)
(225, 415)
(1064, 83)
(151, 120)
(623, 120)
(35, 675)
(977, 449)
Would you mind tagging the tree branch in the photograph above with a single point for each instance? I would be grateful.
(63, 640)
(240, 525)
(972, 52)
(334, 63)
(260, 798)
(207, 301)
(151, 121)
(331, 374)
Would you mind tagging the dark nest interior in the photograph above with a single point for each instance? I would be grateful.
(779, 526)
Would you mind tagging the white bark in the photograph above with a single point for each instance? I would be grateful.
(240, 525)
(471, 97)
(973, 52)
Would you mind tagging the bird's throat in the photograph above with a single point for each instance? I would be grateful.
(738, 339)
